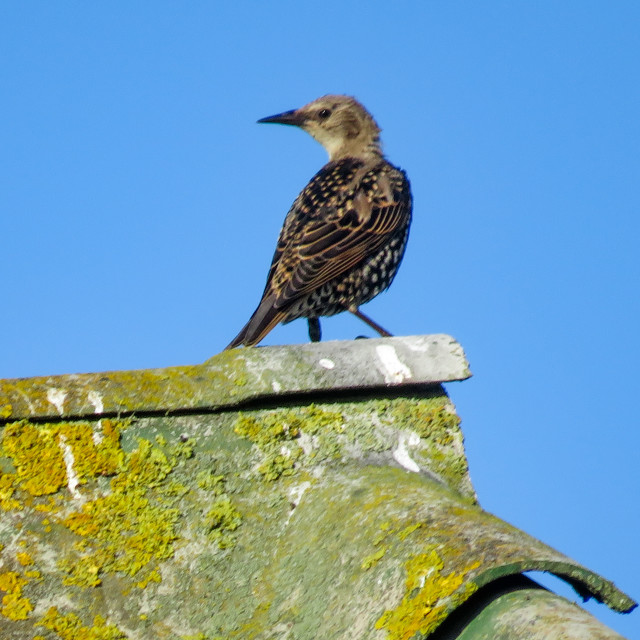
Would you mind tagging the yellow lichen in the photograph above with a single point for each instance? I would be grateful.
(152, 576)
(7, 489)
(408, 530)
(427, 597)
(14, 605)
(128, 530)
(70, 627)
(373, 559)
(37, 453)
(125, 530)
(24, 558)
(388, 533)
(37, 457)
(49, 506)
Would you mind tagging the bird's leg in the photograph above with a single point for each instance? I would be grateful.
(374, 325)
(315, 332)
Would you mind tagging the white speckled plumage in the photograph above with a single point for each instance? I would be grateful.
(344, 237)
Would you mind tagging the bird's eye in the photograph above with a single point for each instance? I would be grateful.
(323, 114)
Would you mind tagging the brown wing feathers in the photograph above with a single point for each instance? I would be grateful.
(320, 251)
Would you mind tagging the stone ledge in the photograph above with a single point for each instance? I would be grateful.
(235, 377)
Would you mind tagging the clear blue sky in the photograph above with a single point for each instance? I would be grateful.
(140, 204)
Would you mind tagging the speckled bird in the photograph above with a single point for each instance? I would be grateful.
(344, 236)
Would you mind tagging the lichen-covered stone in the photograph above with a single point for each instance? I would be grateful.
(346, 517)
(235, 377)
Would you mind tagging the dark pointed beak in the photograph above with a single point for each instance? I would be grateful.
(293, 117)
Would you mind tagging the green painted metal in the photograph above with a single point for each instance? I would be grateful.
(326, 507)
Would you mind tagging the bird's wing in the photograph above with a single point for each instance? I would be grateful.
(326, 248)
(319, 200)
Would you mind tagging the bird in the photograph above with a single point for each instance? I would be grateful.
(344, 237)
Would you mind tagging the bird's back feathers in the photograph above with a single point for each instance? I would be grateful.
(349, 210)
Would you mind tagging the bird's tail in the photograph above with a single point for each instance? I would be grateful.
(264, 318)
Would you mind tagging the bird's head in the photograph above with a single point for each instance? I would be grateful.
(339, 123)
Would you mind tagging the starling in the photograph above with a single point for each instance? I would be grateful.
(344, 236)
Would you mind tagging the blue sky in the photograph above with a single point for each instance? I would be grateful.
(140, 205)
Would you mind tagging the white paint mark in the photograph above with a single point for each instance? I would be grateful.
(96, 433)
(276, 386)
(56, 397)
(96, 400)
(306, 443)
(295, 495)
(326, 363)
(72, 478)
(393, 370)
(401, 455)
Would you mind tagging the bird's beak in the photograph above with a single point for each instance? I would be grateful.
(293, 117)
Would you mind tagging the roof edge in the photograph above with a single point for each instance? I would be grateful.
(585, 582)
(233, 378)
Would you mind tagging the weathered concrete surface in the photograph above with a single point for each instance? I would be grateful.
(235, 377)
(201, 517)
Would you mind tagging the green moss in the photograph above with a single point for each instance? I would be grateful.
(240, 379)
(441, 445)
(291, 439)
(222, 519)
(273, 427)
(153, 389)
(318, 421)
(277, 433)
(184, 448)
(274, 434)
(127, 391)
(209, 481)
(432, 419)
